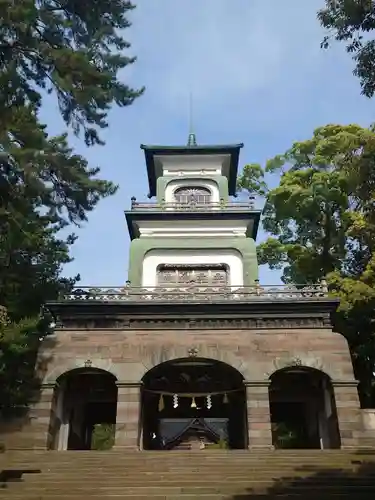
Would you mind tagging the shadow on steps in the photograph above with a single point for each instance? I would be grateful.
(14, 475)
(330, 483)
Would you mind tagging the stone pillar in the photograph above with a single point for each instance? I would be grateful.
(35, 429)
(258, 414)
(43, 422)
(128, 415)
(348, 412)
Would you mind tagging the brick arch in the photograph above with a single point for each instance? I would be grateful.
(300, 361)
(70, 365)
(203, 352)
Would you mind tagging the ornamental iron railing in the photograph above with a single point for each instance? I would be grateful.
(196, 293)
(192, 205)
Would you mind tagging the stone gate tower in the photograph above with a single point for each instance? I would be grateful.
(193, 349)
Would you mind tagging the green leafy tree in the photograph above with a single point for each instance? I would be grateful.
(74, 50)
(353, 22)
(322, 224)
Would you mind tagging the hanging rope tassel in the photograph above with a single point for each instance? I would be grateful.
(209, 402)
(225, 400)
(175, 401)
(193, 403)
(161, 403)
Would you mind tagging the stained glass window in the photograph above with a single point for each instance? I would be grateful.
(189, 194)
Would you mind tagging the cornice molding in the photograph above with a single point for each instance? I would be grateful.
(225, 323)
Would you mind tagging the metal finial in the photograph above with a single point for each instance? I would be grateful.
(192, 140)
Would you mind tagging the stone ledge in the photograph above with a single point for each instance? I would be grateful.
(257, 383)
(344, 383)
(129, 385)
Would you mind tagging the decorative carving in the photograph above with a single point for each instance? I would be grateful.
(194, 323)
(193, 352)
(296, 362)
(88, 363)
(188, 275)
(185, 288)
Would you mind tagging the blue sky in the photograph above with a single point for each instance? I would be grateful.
(257, 75)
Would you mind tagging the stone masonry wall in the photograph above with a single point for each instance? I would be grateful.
(255, 353)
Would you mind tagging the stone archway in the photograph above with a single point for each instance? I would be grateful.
(191, 402)
(85, 398)
(303, 409)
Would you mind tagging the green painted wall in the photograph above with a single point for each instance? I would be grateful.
(140, 246)
(222, 182)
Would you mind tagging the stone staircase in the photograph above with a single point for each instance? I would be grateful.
(205, 474)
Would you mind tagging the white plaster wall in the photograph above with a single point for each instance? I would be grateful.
(188, 165)
(368, 416)
(155, 258)
(212, 186)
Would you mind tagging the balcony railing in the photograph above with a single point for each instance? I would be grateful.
(196, 293)
(192, 206)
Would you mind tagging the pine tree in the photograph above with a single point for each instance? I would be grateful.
(74, 50)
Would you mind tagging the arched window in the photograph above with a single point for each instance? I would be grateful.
(191, 194)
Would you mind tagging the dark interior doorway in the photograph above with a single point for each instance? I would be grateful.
(303, 410)
(191, 400)
(89, 399)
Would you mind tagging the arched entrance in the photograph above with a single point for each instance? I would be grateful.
(303, 409)
(86, 406)
(189, 403)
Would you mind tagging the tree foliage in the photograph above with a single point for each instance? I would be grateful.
(353, 21)
(321, 220)
(74, 50)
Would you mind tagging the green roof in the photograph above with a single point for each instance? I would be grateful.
(154, 170)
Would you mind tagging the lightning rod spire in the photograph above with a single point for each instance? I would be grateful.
(192, 140)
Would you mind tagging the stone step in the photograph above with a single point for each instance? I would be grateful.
(190, 468)
(198, 485)
(225, 476)
(241, 454)
(199, 453)
(174, 455)
(170, 457)
(195, 496)
(192, 489)
(205, 463)
(181, 463)
(191, 471)
(132, 496)
(183, 475)
(306, 468)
